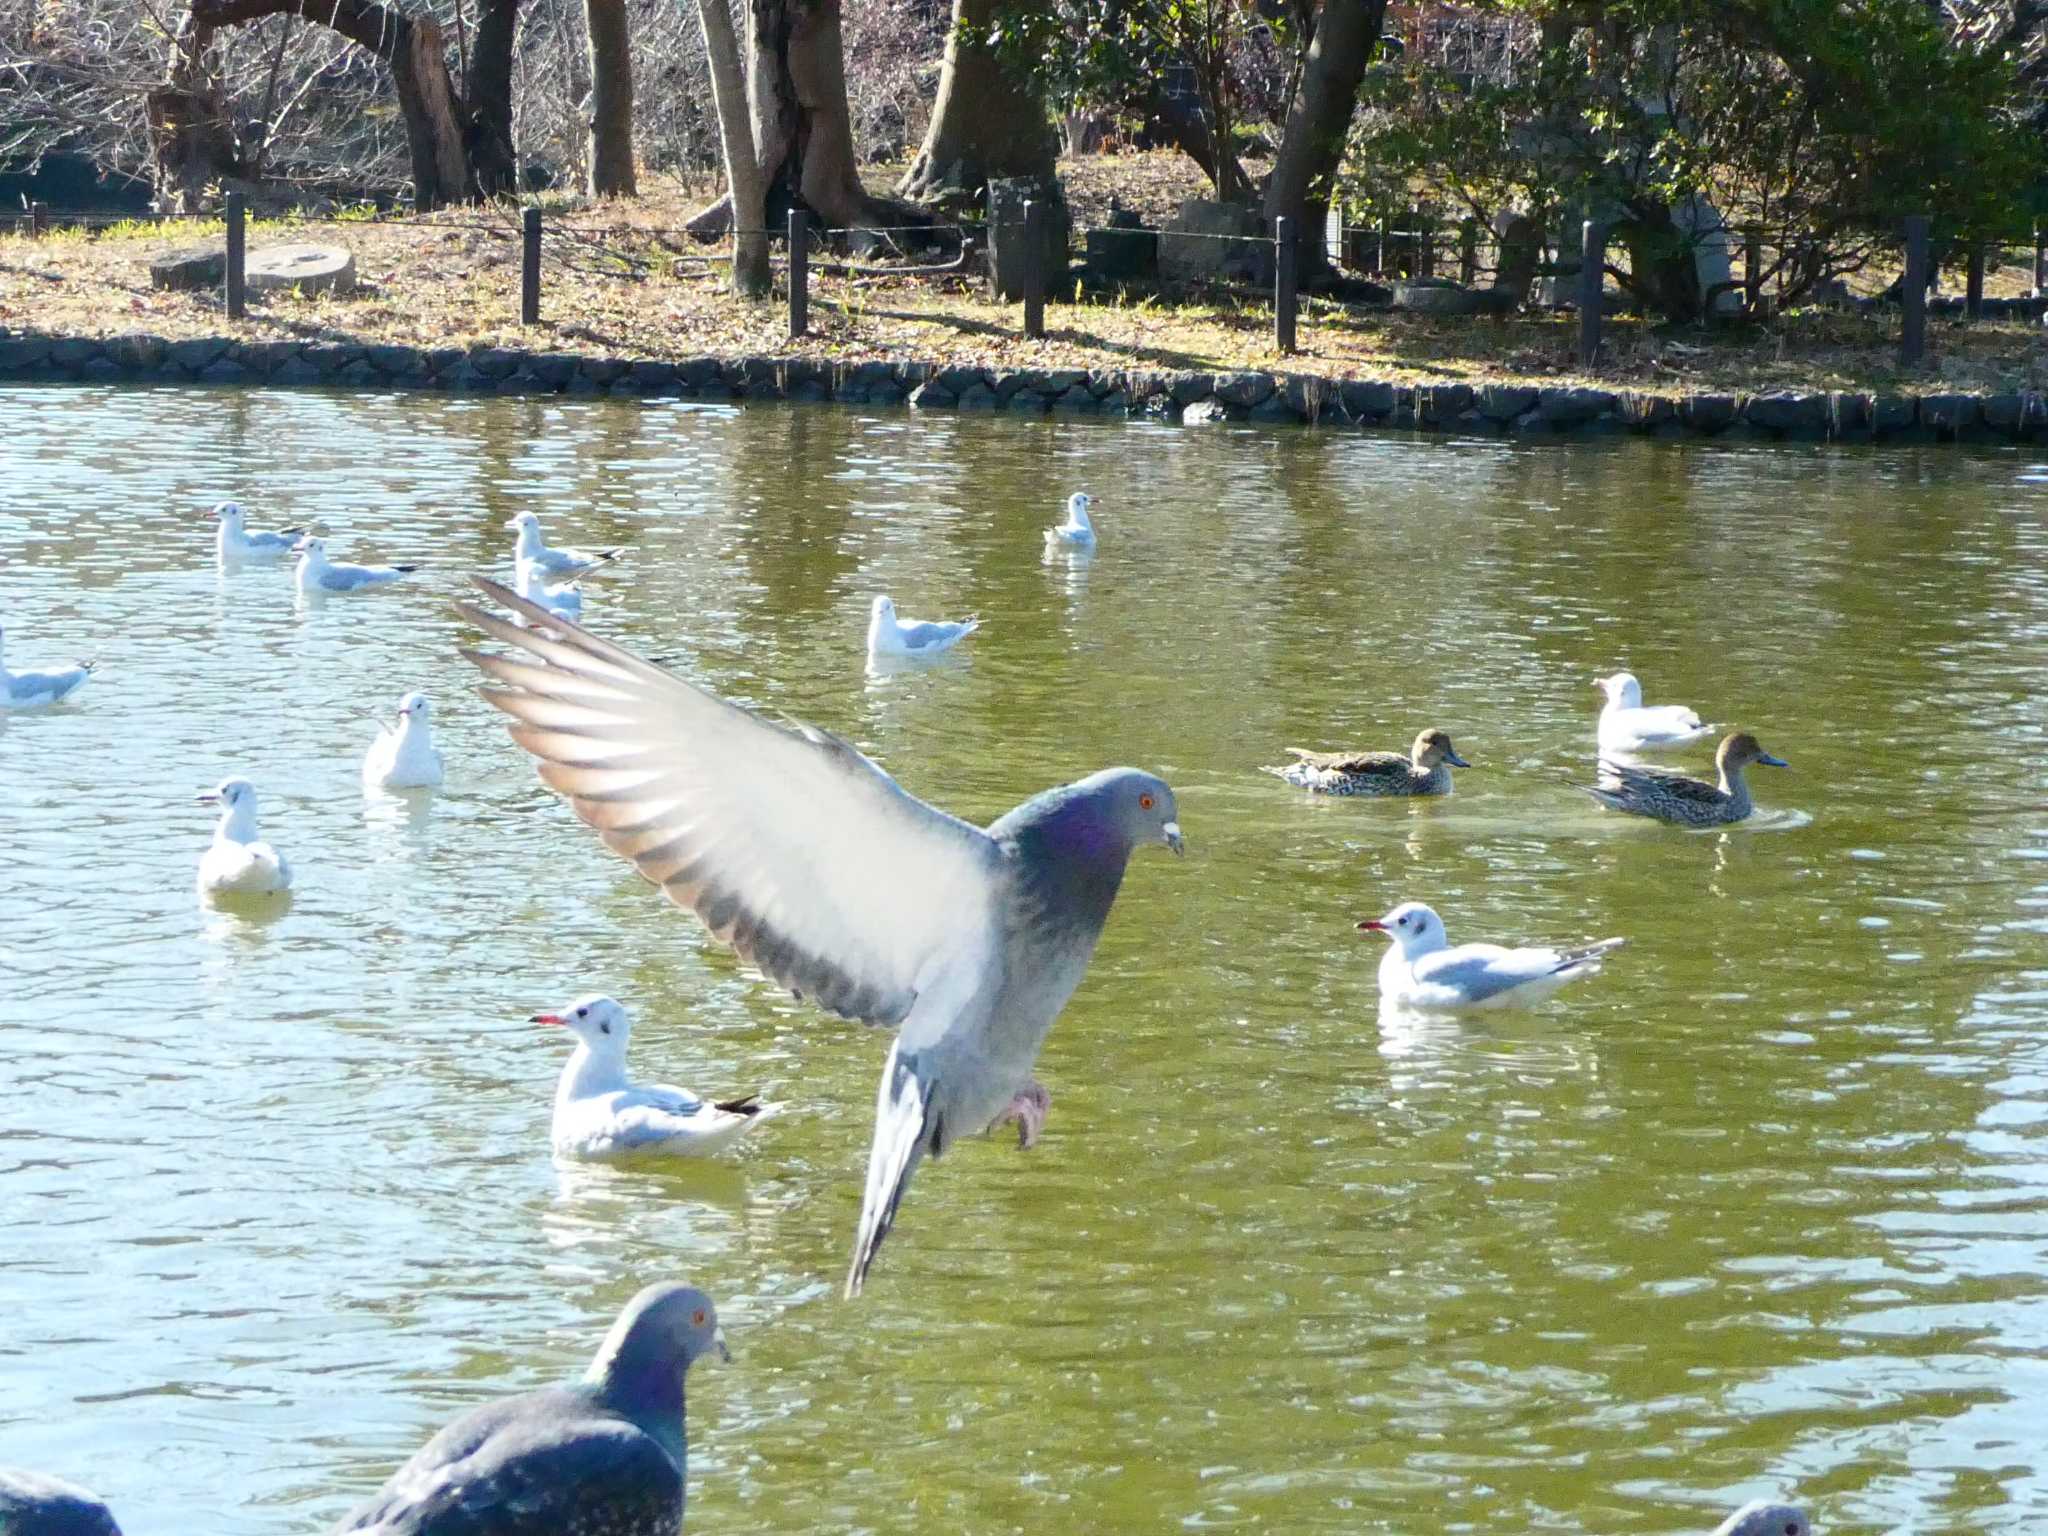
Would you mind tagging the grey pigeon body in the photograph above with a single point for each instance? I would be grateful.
(812, 863)
(34, 1505)
(602, 1457)
(1763, 1518)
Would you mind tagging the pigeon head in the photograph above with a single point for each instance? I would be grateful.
(1762, 1518)
(1099, 820)
(1741, 749)
(414, 707)
(601, 1023)
(1137, 804)
(1413, 926)
(1622, 690)
(661, 1333)
(1433, 747)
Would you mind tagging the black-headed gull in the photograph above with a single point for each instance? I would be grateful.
(601, 1113)
(562, 600)
(891, 638)
(34, 690)
(237, 864)
(1077, 532)
(234, 544)
(316, 573)
(555, 564)
(1421, 970)
(404, 755)
(1627, 724)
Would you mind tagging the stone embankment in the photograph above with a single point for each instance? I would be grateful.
(1193, 398)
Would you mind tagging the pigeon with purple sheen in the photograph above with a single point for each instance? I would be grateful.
(603, 1456)
(34, 1505)
(1760, 1517)
(804, 856)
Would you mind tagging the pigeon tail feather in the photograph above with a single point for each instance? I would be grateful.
(902, 1119)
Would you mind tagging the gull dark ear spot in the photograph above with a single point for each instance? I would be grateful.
(604, 1029)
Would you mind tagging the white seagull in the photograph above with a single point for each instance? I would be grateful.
(404, 756)
(238, 864)
(1629, 725)
(564, 562)
(601, 1113)
(1421, 970)
(890, 637)
(233, 544)
(1076, 532)
(33, 690)
(316, 573)
(563, 601)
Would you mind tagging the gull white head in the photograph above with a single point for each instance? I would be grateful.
(237, 801)
(1077, 510)
(414, 709)
(1622, 690)
(312, 549)
(527, 526)
(1411, 925)
(599, 1022)
(230, 514)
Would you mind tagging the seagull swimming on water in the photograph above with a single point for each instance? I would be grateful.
(1421, 970)
(316, 573)
(238, 863)
(891, 638)
(37, 689)
(404, 755)
(601, 1113)
(799, 852)
(1077, 532)
(233, 544)
(554, 564)
(563, 601)
(1627, 724)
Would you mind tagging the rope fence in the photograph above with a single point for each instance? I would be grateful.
(1389, 251)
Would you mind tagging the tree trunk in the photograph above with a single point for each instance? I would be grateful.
(743, 202)
(1173, 119)
(984, 124)
(611, 100)
(493, 162)
(188, 128)
(1312, 144)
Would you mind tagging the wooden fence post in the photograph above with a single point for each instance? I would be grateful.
(1379, 263)
(1468, 251)
(35, 220)
(1286, 280)
(1913, 293)
(799, 273)
(1973, 283)
(2040, 262)
(238, 249)
(1752, 269)
(1034, 269)
(529, 267)
(1592, 281)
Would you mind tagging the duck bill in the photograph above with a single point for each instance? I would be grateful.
(1773, 762)
(1456, 761)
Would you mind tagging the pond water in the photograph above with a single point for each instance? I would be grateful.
(1761, 1210)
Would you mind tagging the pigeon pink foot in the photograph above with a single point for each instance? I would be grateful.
(1028, 1109)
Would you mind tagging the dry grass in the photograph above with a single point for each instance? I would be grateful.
(619, 279)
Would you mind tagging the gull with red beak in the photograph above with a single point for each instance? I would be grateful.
(601, 1114)
(1421, 970)
(404, 756)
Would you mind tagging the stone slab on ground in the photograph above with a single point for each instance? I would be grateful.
(308, 268)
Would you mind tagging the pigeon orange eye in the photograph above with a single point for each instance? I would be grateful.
(1144, 802)
(697, 1317)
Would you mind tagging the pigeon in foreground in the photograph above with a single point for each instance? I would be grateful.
(1421, 970)
(601, 1113)
(602, 1457)
(33, 690)
(1762, 1518)
(34, 1505)
(809, 860)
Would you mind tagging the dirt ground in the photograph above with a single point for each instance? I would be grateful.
(622, 279)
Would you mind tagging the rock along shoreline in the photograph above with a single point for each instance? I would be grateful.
(1190, 398)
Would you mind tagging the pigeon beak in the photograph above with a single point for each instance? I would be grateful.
(724, 1349)
(1171, 834)
(1456, 761)
(1372, 925)
(547, 1018)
